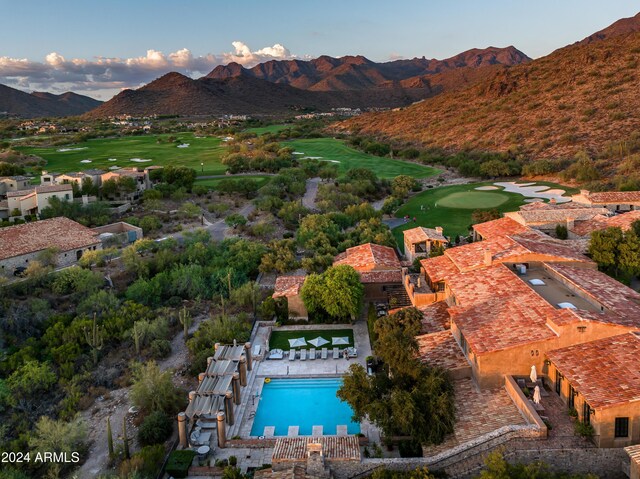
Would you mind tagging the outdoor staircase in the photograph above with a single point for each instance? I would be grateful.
(400, 296)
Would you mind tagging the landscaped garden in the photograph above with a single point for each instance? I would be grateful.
(337, 152)
(179, 149)
(452, 206)
(280, 339)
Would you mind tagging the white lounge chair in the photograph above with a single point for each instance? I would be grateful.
(303, 354)
(292, 354)
(312, 353)
(324, 353)
(336, 353)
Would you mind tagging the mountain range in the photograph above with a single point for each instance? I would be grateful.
(283, 86)
(582, 96)
(40, 104)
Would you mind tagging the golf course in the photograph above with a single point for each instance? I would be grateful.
(212, 183)
(452, 206)
(336, 152)
(202, 153)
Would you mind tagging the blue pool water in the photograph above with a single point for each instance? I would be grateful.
(304, 403)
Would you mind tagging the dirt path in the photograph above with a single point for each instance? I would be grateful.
(117, 405)
(309, 198)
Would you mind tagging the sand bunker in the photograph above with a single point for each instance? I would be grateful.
(531, 190)
(114, 167)
(298, 153)
(140, 160)
(486, 188)
(184, 145)
(62, 150)
(311, 157)
(112, 159)
(85, 161)
(533, 200)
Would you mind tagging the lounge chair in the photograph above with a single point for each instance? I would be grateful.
(303, 354)
(336, 353)
(312, 353)
(324, 353)
(292, 354)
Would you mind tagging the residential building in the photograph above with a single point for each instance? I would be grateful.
(601, 381)
(21, 244)
(34, 200)
(77, 177)
(547, 216)
(419, 241)
(141, 178)
(583, 229)
(612, 200)
(289, 287)
(13, 183)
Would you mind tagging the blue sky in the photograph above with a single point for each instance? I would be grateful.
(120, 33)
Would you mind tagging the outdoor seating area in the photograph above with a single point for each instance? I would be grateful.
(303, 354)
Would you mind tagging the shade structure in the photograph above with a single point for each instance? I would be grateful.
(319, 341)
(297, 342)
(338, 341)
(536, 395)
(534, 375)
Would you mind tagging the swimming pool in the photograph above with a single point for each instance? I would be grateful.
(304, 403)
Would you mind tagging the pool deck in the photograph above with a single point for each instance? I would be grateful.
(283, 368)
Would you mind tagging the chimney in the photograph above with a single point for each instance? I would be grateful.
(571, 222)
(552, 201)
(487, 257)
(439, 229)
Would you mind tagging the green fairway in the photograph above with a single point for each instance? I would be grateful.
(451, 207)
(472, 200)
(335, 151)
(267, 129)
(280, 339)
(213, 182)
(203, 153)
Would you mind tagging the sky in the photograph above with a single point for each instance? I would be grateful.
(99, 48)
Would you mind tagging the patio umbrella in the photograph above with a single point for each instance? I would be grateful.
(297, 342)
(336, 341)
(319, 341)
(536, 395)
(534, 375)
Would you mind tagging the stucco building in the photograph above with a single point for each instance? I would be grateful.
(419, 241)
(34, 200)
(13, 183)
(289, 287)
(612, 200)
(21, 244)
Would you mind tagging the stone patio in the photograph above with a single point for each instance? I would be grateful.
(478, 413)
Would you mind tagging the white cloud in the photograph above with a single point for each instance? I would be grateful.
(57, 74)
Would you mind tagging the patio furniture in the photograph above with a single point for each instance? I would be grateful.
(324, 353)
(292, 354)
(276, 354)
(336, 353)
(303, 354)
(312, 353)
(352, 352)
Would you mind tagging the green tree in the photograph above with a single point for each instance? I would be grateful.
(156, 428)
(402, 185)
(603, 247)
(337, 292)
(494, 168)
(153, 390)
(562, 232)
(59, 436)
(281, 257)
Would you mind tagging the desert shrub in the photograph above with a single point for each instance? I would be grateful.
(155, 429)
(160, 348)
(179, 462)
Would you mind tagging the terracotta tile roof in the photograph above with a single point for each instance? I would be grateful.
(435, 317)
(14, 194)
(296, 472)
(613, 197)
(634, 453)
(558, 214)
(369, 256)
(622, 221)
(390, 276)
(53, 188)
(619, 299)
(416, 235)
(441, 349)
(439, 268)
(606, 371)
(61, 233)
(333, 448)
(500, 227)
(288, 286)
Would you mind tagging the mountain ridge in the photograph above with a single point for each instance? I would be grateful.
(40, 104)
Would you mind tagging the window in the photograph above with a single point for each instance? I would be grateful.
(586, 413)
(572, 397)
(622, 427)
(558, 381)
(463, 344)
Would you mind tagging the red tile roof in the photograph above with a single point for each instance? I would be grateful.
(333, 448)
(369, 256)
(600, 222)
(388, 276)
(288, 286)
(500, 227)
(441, 350)
(614, 197)
(61, 233)
(416, 235)
(606, 372)
(435, 317)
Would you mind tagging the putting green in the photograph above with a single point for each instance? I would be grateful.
(473, 200)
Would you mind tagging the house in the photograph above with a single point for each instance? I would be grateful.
(77, 177)
(583, 229)
(514, 297)
(21, 244)
(289, 287)
(612, 200)
(118, 233)
(34, 200)
(141, 178)
(547, 216)
(419, 241)
(601, 381)
(13, 183)
(380, 271)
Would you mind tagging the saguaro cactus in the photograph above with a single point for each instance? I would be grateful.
(185, 319)
(95, 339)
(110, 438)
(125, 439)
